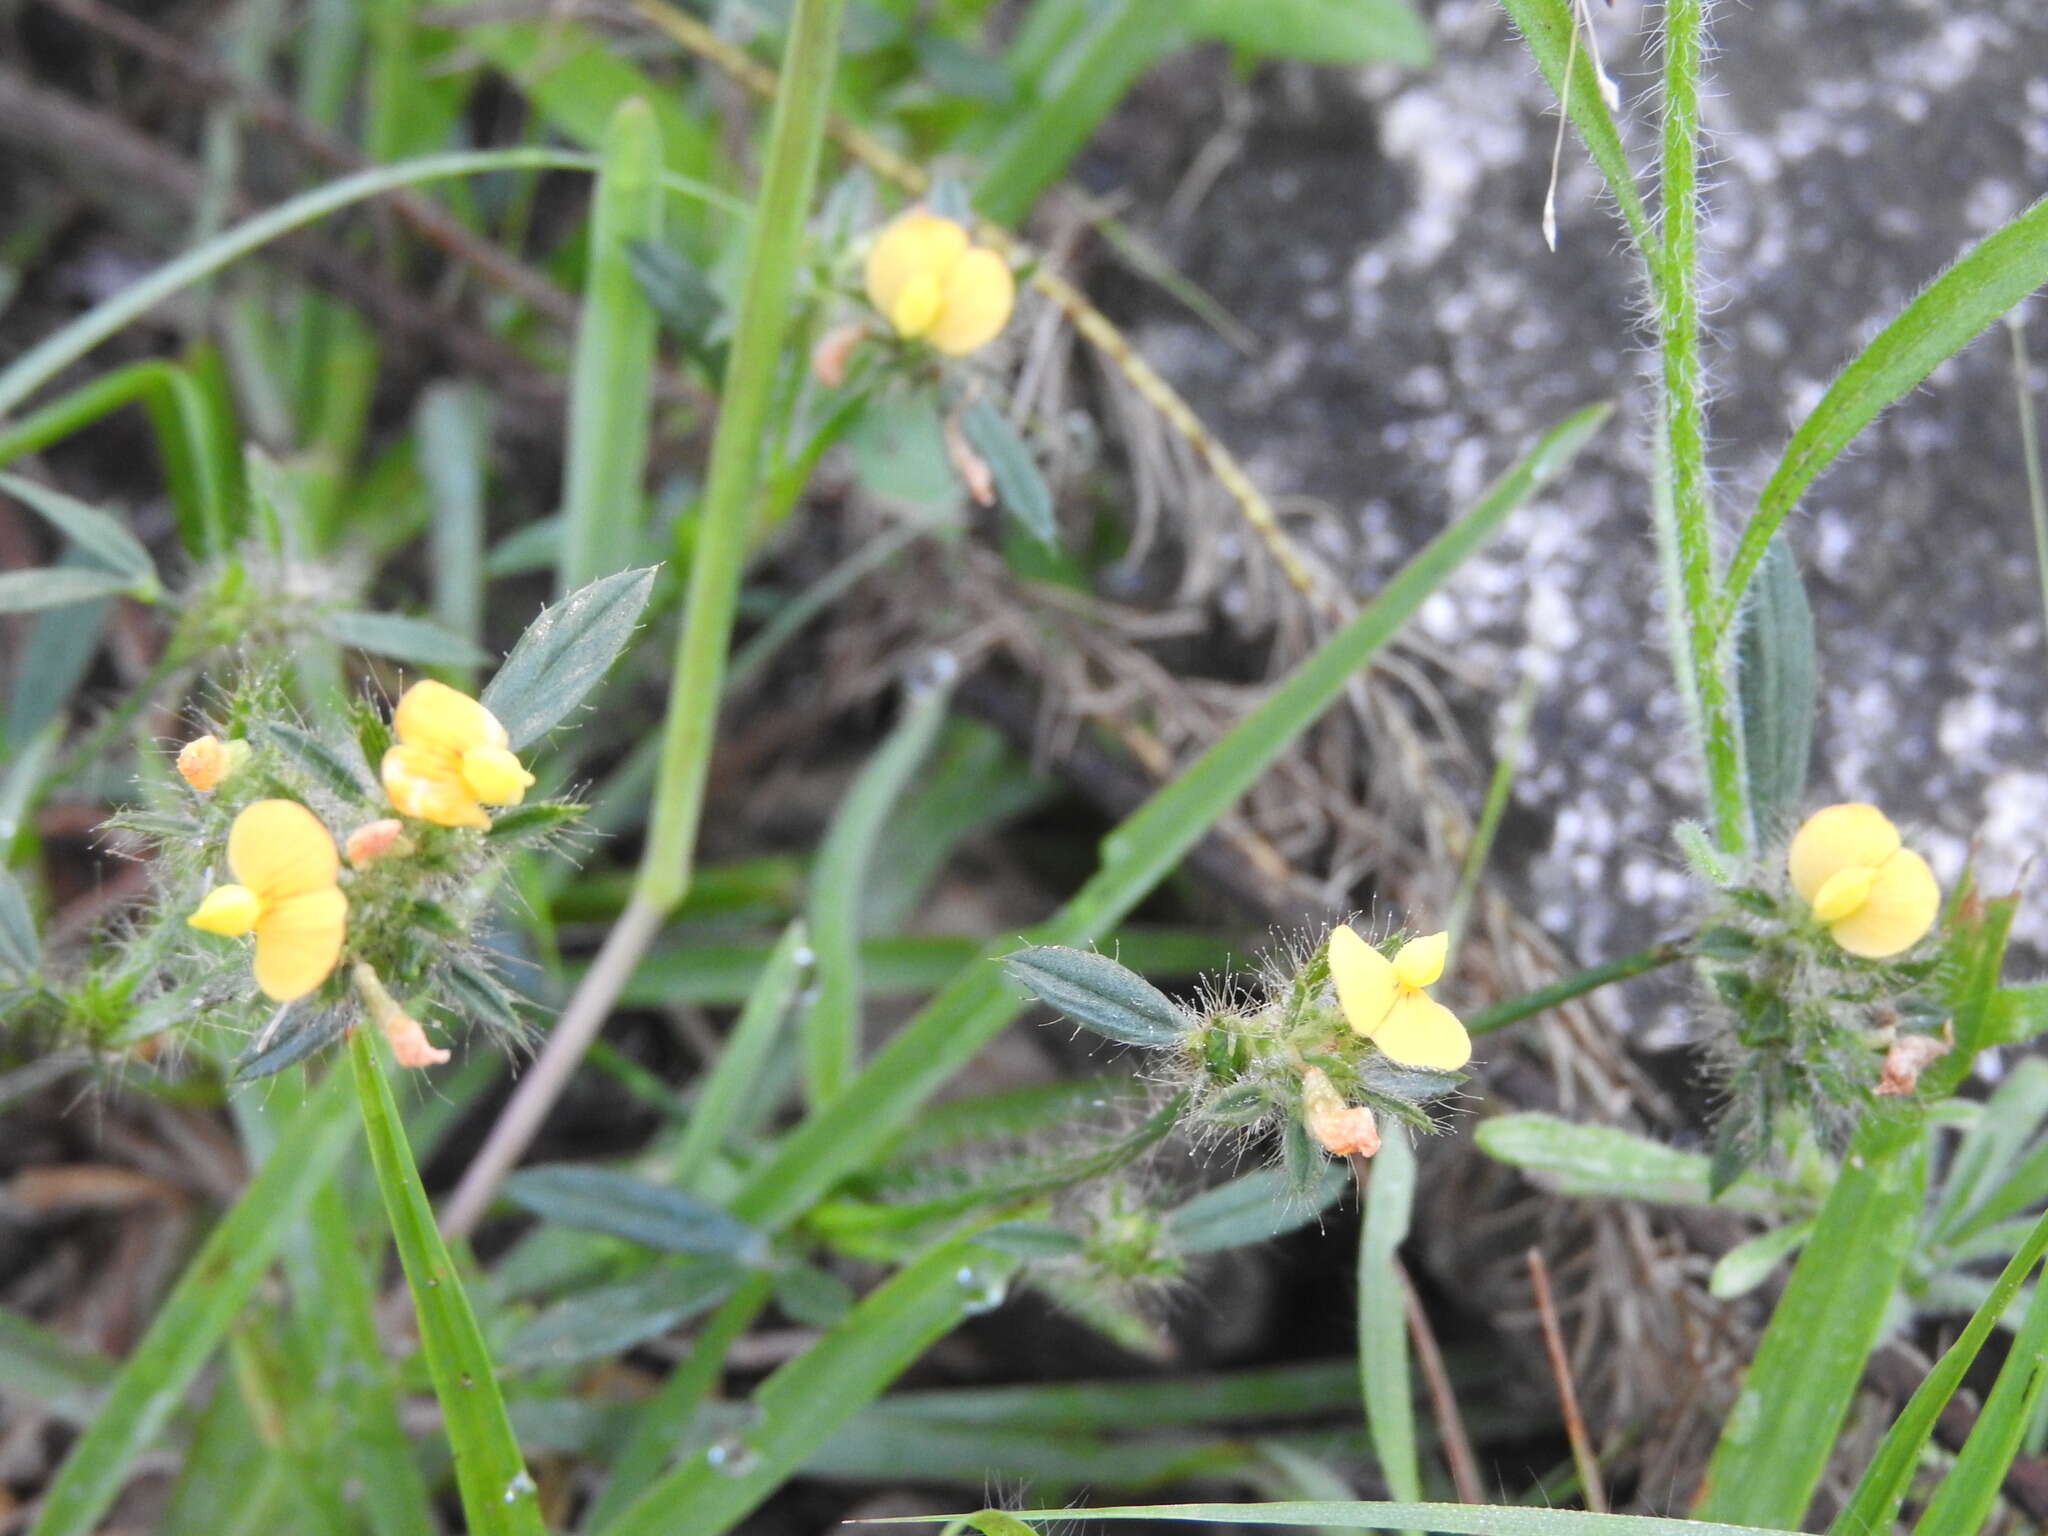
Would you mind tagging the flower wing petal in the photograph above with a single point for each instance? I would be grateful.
(1832, 840)
(918, 244)
(1421, 961)
(1902, 905)
(1365, 980)
(1419, 1031)
(980, 293)
(426, 783)
(279, 849)
(432, 714)
(298, 942)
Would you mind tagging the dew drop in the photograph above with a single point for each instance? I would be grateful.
(731, 1456)
(985, 1292)
(805, 956)
(522, 1483)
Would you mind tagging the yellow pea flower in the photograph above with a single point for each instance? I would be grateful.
(451, 759)
(1384, 1001)
(1875, 897)
(932, 283)
(285, 867)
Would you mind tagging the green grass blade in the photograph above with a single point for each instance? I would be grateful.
(612, 382)
(1776, 1443)
(1140, 853)
(42, 1367)
(1036, 149)
(1372, 1515)
(830, 1029)
(190, 1324)
(663, 1422)
(1964, 1501)
(1884, 1484)
(741, 1063)
(804, 1401)
(497, 1493)
(1546, 28)
(1383, 1375)
(1994, 275)
(452, 433)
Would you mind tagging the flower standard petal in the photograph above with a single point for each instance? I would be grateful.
(1419, 1031)
(1366, 985)
(278, 848)
(918, 244)
(1420, 962)
(1903, 902)
(432, 714)
(298, 942)
(1836, 839)
(228, 910)
(980, 292)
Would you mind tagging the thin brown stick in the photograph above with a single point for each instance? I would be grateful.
(1443, 1401)
(1583, 1457)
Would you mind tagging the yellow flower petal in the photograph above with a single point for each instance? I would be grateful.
(1903, 902)
(1366, 985)
(298, 942)
(1843, 892)
(494, 776)
(432, 714)
(1421, 961)
(917, 304)
(1835, 839)
(426, 783)
(228, 910)
(918, 244)
(980, 293)
(279, 849)
(1419, 1031)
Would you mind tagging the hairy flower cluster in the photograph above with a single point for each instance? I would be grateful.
(1816, 965)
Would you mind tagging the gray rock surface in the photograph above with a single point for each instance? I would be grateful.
(1380, 232)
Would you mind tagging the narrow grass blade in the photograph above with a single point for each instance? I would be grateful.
(452, 431)
(1135, 857)
(663, 1422)
(1371, 1515)
(100, 535)
(1967, 1496)
(44, 1368)
(1882, 1489)
(733, 1079)
(1383, 1374)
(1037, 147)
(820, 1389)
(190, 1324)
(612, 383)
(1997, 273)
(1779, 1434)
(497, 1494)
(830, 1029)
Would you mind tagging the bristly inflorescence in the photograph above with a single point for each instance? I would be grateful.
(1823, 994)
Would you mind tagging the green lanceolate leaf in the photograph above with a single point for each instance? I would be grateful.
(1315, 31)
(565, 653)
(1776, 681)
(401, 637)
(190, 1324)
(682, 296)
(2001, 270)
(498, 1496)
(1749, 1264)
(57, 586)
(21, 951)
(1383, 1370)
(300, 1034)
(1098, 994)
(605, 1200)
(99, 535)
(1250, 1209)
(1607, 1162)
(534, 822)
(342, 773)
(1019, 486)
(1372, 1515)
(608, 1320)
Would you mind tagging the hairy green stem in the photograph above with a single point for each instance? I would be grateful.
(1684, 423)
(722, 539)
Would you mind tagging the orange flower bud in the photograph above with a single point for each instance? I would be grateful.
(375, 839)
(1340, 1129)
(208, 762)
